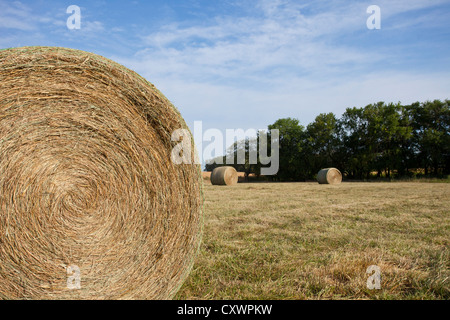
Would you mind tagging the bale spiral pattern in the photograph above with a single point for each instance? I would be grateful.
(86, 179)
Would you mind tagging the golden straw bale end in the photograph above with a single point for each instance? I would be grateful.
(88, 191)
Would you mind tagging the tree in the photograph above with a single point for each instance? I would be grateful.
(353, 132)
(250, 162)
(384, 138)
(211, 164)
(291, 137)
(376, 137)
(390, 135)
(322, 143)
(431, 124)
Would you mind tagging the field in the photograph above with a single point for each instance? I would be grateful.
(311, 241)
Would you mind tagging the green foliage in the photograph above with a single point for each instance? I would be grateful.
(431, 139)
(321, 146)
(378, 141)
(291, 137)
(246, 164)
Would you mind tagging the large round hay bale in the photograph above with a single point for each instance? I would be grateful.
(91, 205)
(329, 176)
(224, 176)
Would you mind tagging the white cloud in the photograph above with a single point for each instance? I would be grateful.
(284, 60)
(281, 36)
(281, 42)
(92, 26)
(221, 105)
(280, 58)
(15, 15)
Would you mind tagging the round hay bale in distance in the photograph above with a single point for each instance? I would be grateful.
(224, 176)
(91, 205)
(329, 176)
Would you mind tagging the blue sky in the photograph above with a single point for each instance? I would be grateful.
(245, 64)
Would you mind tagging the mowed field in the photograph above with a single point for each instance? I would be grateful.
(311, 241)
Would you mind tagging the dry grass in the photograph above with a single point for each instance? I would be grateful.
(310, 241)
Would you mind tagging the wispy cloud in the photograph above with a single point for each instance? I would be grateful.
(279, 40)
(248, 46)
(260, 60)
(285, 59)
(15, 15)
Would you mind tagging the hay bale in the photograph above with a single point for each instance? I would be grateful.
(329, 176)
(87, 182)
(224, 176)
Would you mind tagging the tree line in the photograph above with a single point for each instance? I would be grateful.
(379, 140)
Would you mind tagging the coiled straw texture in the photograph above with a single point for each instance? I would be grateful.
(86, 181)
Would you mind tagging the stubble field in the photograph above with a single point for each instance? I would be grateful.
(311, 241)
